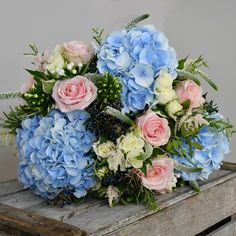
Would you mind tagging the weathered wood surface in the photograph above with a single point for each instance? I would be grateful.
(20, 222)
(184, 212)
(10, 187)
(226, 230)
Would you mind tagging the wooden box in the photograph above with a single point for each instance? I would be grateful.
(183, 213)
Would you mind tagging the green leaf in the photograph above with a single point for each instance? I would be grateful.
(136, 20)
(186, 104)
(195, 186)
(9, 95)
(188, 75)
(48, 85)
(181, 63)
(206, 78)
(148, 151)
(119, 115)
(38, 75)
(185, 168)
(157, 152)
(197, 145)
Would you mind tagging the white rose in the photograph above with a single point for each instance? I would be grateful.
(116, 159)
(166, 95)
(104, 150)
(172, 108)
(130, 141)
(132, 158)
(164, 81)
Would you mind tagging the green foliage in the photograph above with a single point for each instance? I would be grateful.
(47, 86)
(119, 115)
(135, 21)
(13, 119)
(132, 191)
(109, 88)
(186, 104)
(195, 186)
(181, 63)
(185, 168)
(9, 95)
(97, 35)
(190, 69)
(221, 125)
(34, 50)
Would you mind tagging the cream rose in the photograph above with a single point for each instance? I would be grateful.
(172, 108)
(104, 150)
(130, 141)
(77, 52)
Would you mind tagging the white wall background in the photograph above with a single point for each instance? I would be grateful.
(193, 27)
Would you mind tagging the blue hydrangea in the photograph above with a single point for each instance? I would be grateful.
(54, 153)
(137, 56)
(215, 145)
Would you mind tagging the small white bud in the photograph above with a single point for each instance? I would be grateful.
(80, 65)
(61, 72)
(74, 71)
(69, 67)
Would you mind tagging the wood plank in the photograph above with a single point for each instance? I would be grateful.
(66, 212)
(22, 200)
(228, 229)
(228, 166)
(10, 187)
(187, 217)
(18, 221)
(102, 219)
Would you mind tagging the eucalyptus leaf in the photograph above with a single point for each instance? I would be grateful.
(185, 168)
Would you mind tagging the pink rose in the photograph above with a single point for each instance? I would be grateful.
(160, 175)
(74, 94)
(27, 85)
(189, 90)
(154, 129)
(77, 52)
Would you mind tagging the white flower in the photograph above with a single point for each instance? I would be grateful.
(166, 95)
(130, 141)
(132, 158)
(112, 194)
(116, 159)
(56, 61)
(164, 81)
(103, 150)
(172, 108)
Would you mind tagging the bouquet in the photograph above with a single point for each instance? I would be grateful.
(120, 119)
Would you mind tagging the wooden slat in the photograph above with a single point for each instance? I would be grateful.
(10, 187)
(19, 222)
(228, 229)
(66, 212)
(228, 166)
(188, 217)
(102, 219)
(22, 200)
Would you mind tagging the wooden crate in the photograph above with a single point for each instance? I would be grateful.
(184, 213)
